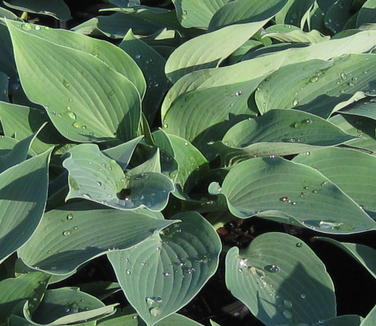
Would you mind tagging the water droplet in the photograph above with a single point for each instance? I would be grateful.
(138, 56)
(287, 304)
(77, 124)
(299, 244)
(155, 311)
(75, 228)
(272, 156)
(72, 115)
(314, 191)
(66, 233)
(306, 187)
(99, 183)
(272, 268)
(190, 270)
(166, 274)
(307, 121)
(303, 296)
(295, 103)
(165, 125)
(37, 27)
(86, 196)
(329, 225)
(284, 199)
(343, 76)
(287, 314)
(292, 203)
(238, 93)
(243, 263)
(302, 194)
(128, 272)
(296, 125)
(70, 216)
(66, 83)
(186, 143)
(314, 79)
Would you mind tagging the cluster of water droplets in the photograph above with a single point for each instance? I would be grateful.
(67, 232)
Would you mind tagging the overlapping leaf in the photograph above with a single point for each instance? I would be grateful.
(294, 190)
(281, 281)
(96, 177)
(163, 273)
(279, 132)
(317, 86)
(23, 197)
(69, 236)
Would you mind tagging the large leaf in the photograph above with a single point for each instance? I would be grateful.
(21, 121)
(281, 280)
(152, 65)
(363, 108)
(261, 66)
(23, 197)
(297, 191)
(66, 239)
(197, 13)
(279, 132)
(94, 176)
(224, 106)
(15, 291)
(317, 86)
(208, 50)
(55, 8)
(163, 273)
(65, 306)
(242, 11)
(351, 170)
(363, 254)
(7, 63)
(86, 99)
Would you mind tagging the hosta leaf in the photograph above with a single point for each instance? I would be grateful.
(15, 291)
(317, 86)
(367, 14)
(21, 121)
(7, 63)
(208, 50)
(360, 127)
(279, 132)
(19, 321)
(281, 280)
(188, 158)
(364, 108)
(350, 170)
(242, 11)
(102, 105)
(338, 14)
(224, 107)
(213, 323)
(132, 320)
(262, 66)
(94, 176)
(17, 155)
(23, 197)
(370, 318)
(293, 12)
(197, 13)
(73, 234)
(297, 191)
(163, 273)
(363, 254)
(55, 8)
(296, 35)
(122, 153)
(344, 320)
(152, 65)
(65, 306)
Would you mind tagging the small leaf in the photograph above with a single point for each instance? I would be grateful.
(280, 279)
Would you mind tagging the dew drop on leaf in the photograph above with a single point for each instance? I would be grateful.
(70, 217)
(303, 296)
(299, 244)
(295, 103)
(66, 233)
(238, 93)
(284, 199)
(272, 268)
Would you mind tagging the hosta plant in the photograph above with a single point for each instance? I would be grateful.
(135, 143)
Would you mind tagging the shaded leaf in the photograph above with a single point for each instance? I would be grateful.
(280, 279)
(23, 197)
(367, 14)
